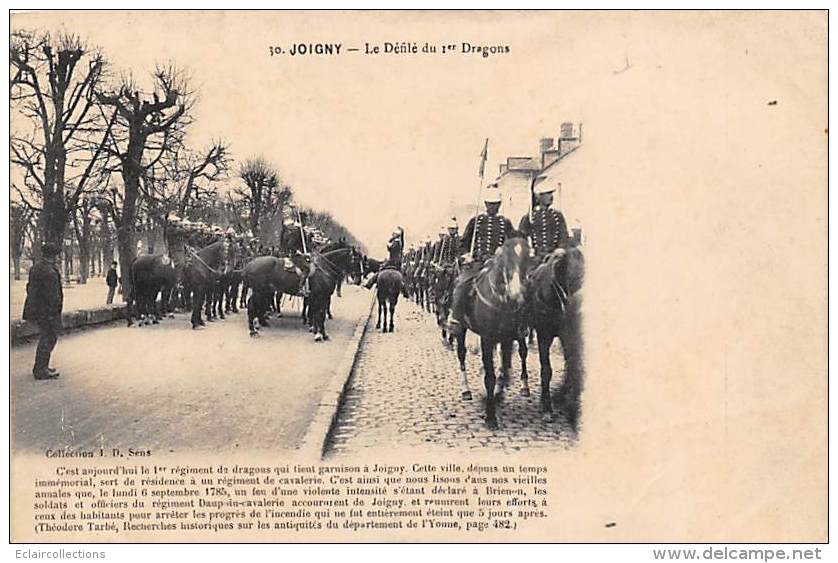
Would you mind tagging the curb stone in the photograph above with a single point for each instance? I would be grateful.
(20, 331)
(316, 442)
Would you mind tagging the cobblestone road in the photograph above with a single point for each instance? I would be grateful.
(406, 391)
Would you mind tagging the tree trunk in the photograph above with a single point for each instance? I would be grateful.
(131, 167)
(16, 262)
(107, 243)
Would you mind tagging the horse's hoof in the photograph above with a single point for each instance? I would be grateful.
(492, 423)
(171, 315)
(254, 334)
(525, 391)
(318, 337)
(325, 337)
(467, 395)
(155, 322)
(548, 417)
(196, 327)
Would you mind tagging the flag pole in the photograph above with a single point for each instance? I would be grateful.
(483, 157)
(302, 232)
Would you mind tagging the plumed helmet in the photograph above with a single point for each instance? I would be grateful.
(492, 195)
(543, 186)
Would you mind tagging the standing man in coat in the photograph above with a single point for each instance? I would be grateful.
(112, 280)
(44, 303)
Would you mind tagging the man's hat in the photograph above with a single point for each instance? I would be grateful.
(492, 195)
(50, 249)
(174, 219)
(453, 223)
(544, 187)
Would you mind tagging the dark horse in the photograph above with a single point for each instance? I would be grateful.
(443, 287)
(330, 267)
(390, 285)
(201, 274)
(150, 275)
(554, 301)
(495, 307)
(267, 276)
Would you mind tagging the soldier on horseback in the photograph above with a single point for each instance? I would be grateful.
(489, 230)
(545, 226)
(395, 249)
(447, 250)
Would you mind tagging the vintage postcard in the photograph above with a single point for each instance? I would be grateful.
(418, 276)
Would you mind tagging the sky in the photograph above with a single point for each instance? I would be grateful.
(379, 141)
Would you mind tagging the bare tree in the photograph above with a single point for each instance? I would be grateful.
(51, 87)
(21, 220)
(264, 197)
(152, 123)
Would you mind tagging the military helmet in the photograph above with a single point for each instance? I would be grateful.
(543, 186)
(492, 195)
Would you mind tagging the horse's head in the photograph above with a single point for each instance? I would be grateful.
(568, 266)
(512, 262)
(340, 259)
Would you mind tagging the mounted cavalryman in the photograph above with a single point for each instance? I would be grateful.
(395, 249)
(545, 227)
(489, 230)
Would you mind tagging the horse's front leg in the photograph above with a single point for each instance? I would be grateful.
(251, 315)
(488, 349)
(523, 352)
(461, 356)
(380, 306)
(393, 310)
(505, 364)
(545, 340)
(197, 303)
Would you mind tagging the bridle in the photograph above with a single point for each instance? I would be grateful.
(498, 295)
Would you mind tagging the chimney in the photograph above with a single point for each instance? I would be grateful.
(567, 141)
(567, 131)
(545, 144)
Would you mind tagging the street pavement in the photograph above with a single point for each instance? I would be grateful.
(406, 391)
(171, 389)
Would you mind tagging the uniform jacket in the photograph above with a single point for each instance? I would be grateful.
(491, 232)
(547, 229)
(44, 296)
(447, 250)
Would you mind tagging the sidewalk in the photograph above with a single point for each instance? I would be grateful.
(88, 296)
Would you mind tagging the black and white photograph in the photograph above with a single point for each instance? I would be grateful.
(493, 276)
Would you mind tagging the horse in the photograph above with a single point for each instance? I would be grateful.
(390, 284)
(495, 309)
(554, 303)
(330, 267)
(443, 287)
(267, 275)
(150, 275)
(201, 274)
(233, 280)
